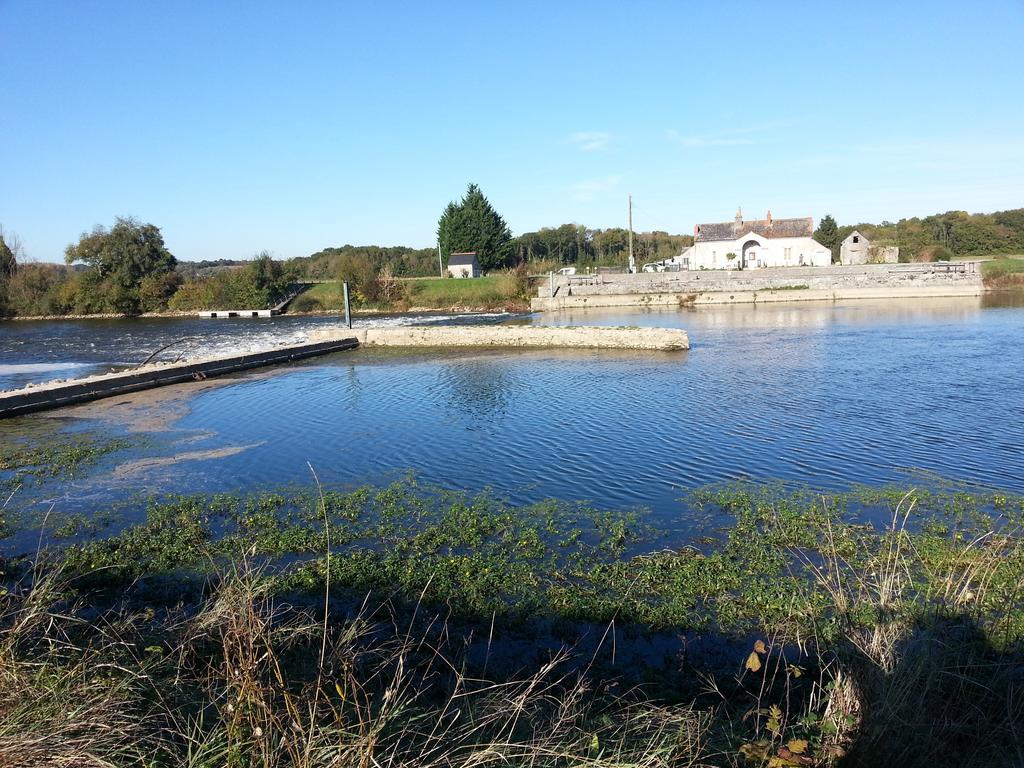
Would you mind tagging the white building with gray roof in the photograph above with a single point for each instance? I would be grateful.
(742, 244)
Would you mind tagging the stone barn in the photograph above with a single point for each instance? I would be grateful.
(464, 265)
(857, 249)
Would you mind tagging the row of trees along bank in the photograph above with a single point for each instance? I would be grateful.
(935, 238)
(127, 269)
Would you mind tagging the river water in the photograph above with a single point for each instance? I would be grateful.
(830, 395)
(35, 351)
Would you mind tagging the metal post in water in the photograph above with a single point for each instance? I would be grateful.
(348, 310)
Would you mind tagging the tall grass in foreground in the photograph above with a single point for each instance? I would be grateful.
(917, 679)
(245, 682)
(903, 666)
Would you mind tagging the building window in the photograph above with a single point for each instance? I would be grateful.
(856, 239)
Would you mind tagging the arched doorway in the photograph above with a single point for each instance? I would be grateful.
(751, 248)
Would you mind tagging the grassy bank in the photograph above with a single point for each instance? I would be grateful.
(408, 625)
(504, 291)
(1003, 272)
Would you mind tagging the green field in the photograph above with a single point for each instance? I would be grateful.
(486, 292)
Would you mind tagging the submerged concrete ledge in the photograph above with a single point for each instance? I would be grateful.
(40, 397)
(587, 337)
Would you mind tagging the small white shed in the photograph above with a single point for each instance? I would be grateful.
(464, 265)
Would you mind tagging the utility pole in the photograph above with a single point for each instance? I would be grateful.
(440, 262)
(632, 261)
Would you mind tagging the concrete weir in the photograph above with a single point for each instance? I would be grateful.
(60, 393)
(586, 337)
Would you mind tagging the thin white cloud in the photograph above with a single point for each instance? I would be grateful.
(967, 146)
(739, 136)
(893, 149)
(821, 161)
(583, 191)
(591, 141)
(709, 141)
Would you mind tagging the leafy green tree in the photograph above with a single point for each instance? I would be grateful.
(827, 234)
(120, 258)
(256, 284)
(34, 289)
(402, 261)
(358, 271)
(267, 274)
(474, 225)
(8, 258)
(8, 265)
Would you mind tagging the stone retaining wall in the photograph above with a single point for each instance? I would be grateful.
(751, 280)
(683, 300)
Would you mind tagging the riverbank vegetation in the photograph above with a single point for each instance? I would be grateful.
(939, 237)
(1003, 272)
(409, 625)
(127, 269)
(257, 284)
(507, 290)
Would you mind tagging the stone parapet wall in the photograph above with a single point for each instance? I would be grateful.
(816, 278)
(908, 290)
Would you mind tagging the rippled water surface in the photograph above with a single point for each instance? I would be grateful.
(827, 394)
(37, 351)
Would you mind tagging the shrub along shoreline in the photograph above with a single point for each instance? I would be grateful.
(411, 625)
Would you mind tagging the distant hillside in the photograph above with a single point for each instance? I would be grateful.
(193, 269)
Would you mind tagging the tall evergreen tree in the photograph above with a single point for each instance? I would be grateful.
(827, 234)
(474, 225)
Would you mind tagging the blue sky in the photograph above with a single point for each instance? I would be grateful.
(238, 127)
